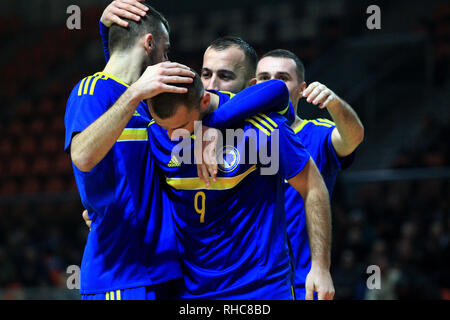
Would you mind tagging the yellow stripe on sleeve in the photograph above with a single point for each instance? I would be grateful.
(107, 295)
(327, 121)
(118, 295)
(86, 86)
(268, 126)
(317, 123)
(258, 126)
(112, 295)
(268, 119)
(80, 89)
(300, 127)
(130, 134)
(91, 91)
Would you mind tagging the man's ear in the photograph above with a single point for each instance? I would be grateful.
(251, 82)
(149, 44)
(205, 101)
(302, 88)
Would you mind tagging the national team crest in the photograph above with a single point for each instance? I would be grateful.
(231, 159)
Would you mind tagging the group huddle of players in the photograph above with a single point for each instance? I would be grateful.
(165, 228)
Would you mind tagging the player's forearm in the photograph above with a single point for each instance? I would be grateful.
(91, 145)
(348, 125)
(269, 96)
(309, 183)
(318, 220)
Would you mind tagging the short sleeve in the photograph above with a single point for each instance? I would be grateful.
(81, 111)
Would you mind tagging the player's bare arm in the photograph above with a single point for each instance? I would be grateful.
(119, 10)
(90, 146)
(309, 183)
(349, 132)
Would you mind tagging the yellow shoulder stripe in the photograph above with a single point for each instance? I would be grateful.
(268, 119)
(301, 126)
(86, 85)
(260, 127)
(263, 123)
(151, 122)
(326, 121)
(222, 183)
(317, 123)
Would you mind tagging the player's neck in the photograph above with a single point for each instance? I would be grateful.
(297, 120)
(126, 69)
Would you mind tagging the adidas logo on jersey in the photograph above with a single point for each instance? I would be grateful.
(174, 163)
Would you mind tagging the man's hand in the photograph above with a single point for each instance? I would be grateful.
(317, 93)
(123, 9)
(206, 153)
(86, 219)
(157, 79)
(319, 280)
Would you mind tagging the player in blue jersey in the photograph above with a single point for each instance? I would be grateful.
(131, 251)
(103, 112)
(232, 234)
(331, 145)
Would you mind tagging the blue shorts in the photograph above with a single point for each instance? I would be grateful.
(170, 290)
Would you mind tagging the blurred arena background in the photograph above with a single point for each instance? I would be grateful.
(390, 209)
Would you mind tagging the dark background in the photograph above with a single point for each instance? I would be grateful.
(390, 209)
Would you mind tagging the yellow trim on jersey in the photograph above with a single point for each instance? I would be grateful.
(151, 122)
(261, 120)
(293, 292)
(222, 183)
(283, 112)
(268, 119)
(317, 123)
(327, 121)
(107, 75)
(91, 91)
(80, 88)
(86, 85)
(258, 126)
(118, 295)
(231, 94)
(107, 296)
(300, 127)
(131, 134)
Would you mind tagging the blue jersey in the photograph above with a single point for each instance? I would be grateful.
(232, 235)
(315, 135)
(132, 240)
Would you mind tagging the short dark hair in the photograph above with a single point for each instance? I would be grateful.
(282, 53)
(165, 105)
(121, 38)
(251, 57)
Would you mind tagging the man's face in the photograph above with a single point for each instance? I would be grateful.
(160, 52)
(283, 69)
(224, 70)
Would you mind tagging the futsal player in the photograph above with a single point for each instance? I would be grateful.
(330, 144)
(232, 234)
(130, 251)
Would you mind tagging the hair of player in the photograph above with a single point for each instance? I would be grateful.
(165, 105)
(122, 39)
(251, 56)
(282, 53)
